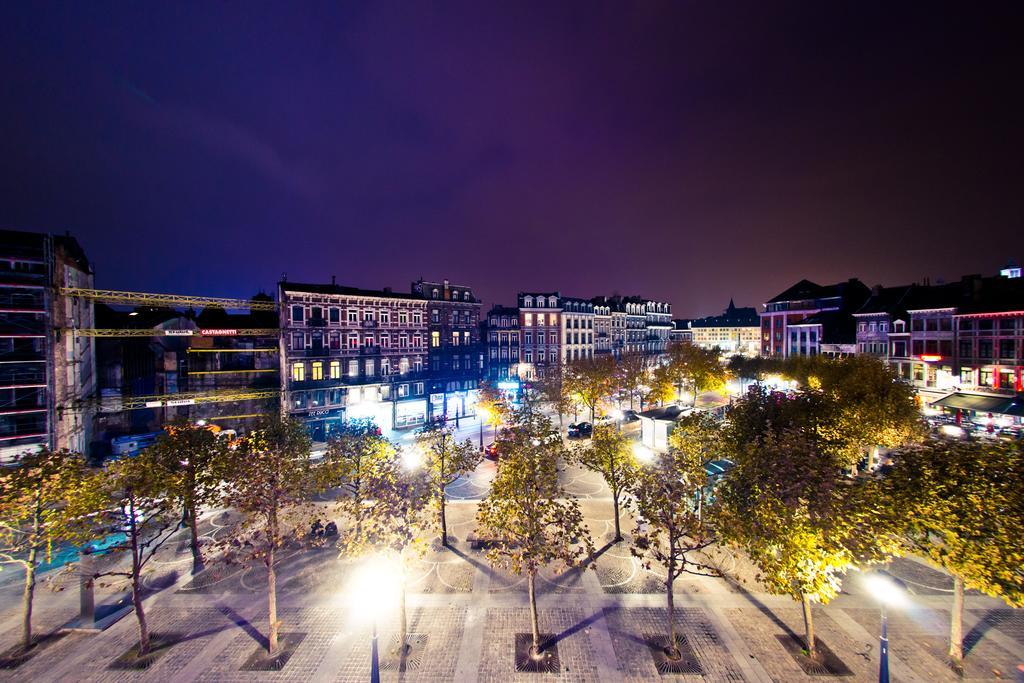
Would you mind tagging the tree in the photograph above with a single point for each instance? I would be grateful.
(554, 391)
(271, 484)
(48, 498)
(960, 504)
(691, 366)
(492, 400)
(530, 518)
(145, 512)
(801, 522)
(632, 372)
(672, 527)
(590, 380)
(659, 388)
(446, 461)
(396, 520)
(697, 438)
(189, 460)
(609, 454)
(349, 456)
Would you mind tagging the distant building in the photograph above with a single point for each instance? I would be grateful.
(502, 344)
(737, 331)
(350, 353)
(658, 322)
(455, 354)
(602, 327)
(47, 374)
(681, 331)
(809, 319)
(577, 329)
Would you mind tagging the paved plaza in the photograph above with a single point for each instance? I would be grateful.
(464, 618)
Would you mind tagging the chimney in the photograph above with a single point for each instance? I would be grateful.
(387, 290)
(333, 280)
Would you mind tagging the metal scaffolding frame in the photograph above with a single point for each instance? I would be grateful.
(172, 300)
(113, 405)
(150, 332)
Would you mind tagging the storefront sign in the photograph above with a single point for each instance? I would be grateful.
(178, 333)
(181, 402)
(218, 333)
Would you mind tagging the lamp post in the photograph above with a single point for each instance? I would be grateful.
(371, 591)
(484, 414)
(889, 591)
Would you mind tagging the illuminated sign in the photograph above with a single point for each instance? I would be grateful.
(181, 402)
(178, 333)
(218, 333)
(508, 386)
(930, 358)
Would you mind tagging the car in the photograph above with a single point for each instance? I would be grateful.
(491, 452)
(605, 420)
(630, 416)
(580, 430)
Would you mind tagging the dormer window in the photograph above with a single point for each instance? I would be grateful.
(433, 294)
(528, 302)
(553, 302)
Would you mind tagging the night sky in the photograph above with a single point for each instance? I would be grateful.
(685, 151)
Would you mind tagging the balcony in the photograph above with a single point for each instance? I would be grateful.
(369, 350)
(368, 324)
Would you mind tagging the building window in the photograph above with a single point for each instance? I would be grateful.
(385, 317)
(367, 315)
(403, 390)
(299, 372)
(435, 315)
(353, 315)
(403, 340)
(318, 370)
(335, 369)
(298, 341)
(433, 293)
(417, 317)
(403, 366)
(353, 340)
(465, 338)
(297, 314)
(369, 367)
(353, 368)
(528, 319)
(368, 340)
(385, 366)
(335, 340)
(419, 388)
(455, 338)
(334, 315)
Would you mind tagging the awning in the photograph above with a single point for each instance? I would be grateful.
(980, 403)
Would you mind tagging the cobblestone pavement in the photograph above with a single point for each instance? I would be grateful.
(464, 616)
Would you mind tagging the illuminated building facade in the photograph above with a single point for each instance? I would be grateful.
(795, 307)
(736, 331)
(349, 353)
(577, 329)
(502, 344)
(455, 354)
(540, 331)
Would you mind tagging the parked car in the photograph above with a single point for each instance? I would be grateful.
(491, 452)
(630, 416)
(580, 430)
(604, 420)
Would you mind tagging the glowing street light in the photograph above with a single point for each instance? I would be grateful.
(643, 454)
(890, 592)
(373, 589)
(412, 458)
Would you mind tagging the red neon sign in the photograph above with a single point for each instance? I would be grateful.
(218, 333)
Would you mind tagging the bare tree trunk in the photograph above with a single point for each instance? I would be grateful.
(534, 622)
(444, 522)
(956, 623)
(402, 623)
(29, 594)
(272, 638)
(812, 650)
(615, 501)
(193, 526)
(673, 650)
(140, 613)
(275, 625)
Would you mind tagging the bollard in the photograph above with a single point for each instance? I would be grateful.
(86, 598)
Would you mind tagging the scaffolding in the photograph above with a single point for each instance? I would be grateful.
(113, 405)
(173, 300)
(151, 332)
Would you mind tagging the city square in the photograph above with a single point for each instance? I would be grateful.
(587, 340)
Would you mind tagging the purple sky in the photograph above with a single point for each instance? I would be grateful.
(684, 151)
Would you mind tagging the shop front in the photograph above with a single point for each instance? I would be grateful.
(410, 413)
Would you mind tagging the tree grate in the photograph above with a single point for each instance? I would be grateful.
(286, 646)
(686, 663)
(826, 663)
(15, 656)
(415, 646)
(547, 663)
(159, 644)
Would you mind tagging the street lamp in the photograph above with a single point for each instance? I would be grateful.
(484, 415)
(889, 591)
(643, 454)
(412, 458)
(372, 589)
